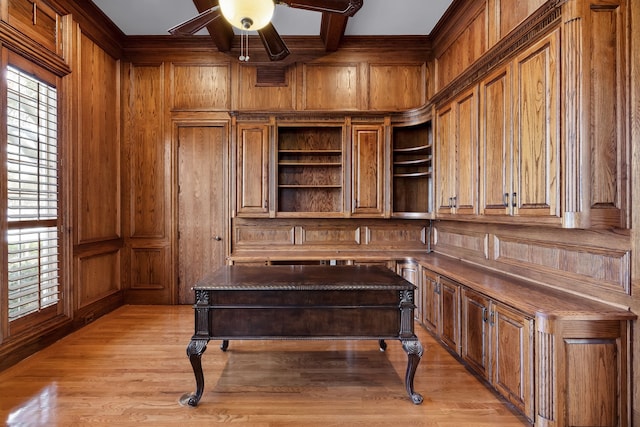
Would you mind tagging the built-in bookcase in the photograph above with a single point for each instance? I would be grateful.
(412, 170)
(310, 169)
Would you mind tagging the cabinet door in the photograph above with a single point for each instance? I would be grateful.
(466, 154)
(252, 170)
(512, 356)
(445, 160)
(368, 171)
(495, 144)
(475, 331)
(536, 157)
(450, 314)
(430, 300)
(410, 271)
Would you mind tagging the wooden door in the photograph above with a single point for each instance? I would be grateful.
(466, 159)
(368, 171)
(495, 144)
(253, 170)
(537, 130)
(475, 331)
(445, 161)
(450, 314)
(431, 301)
(201, 196)
(512, 356)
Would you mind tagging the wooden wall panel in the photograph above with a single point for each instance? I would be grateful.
(594, 266)
(149, 268)
(461, 242)
(397, 86)
(201, 86)
(38, 21)
(332, 235)
(392, 236)
(331, 87)
(511, 13)
(463, 51)
(607, 109)
(264, 235)
(99, 276)
(255, 96)
(97, 157)
(148, 167)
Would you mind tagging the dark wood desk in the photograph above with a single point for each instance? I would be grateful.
(303, 302)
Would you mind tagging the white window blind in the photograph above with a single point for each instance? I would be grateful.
(32, 194)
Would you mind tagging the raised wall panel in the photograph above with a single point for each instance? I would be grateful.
(463, 51)
(97, 156)
(265, 235)
(510, 13)
(38, 21)
(397, 86)
(97, 276)
(331, 87)
(149, 268)
(461, 242)
(148, 167)
(597, 267)
(201, 87)
(255, 96)
(329, 235)
(607, 113)
(404, 236)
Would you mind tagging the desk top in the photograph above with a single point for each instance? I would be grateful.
(303, 278)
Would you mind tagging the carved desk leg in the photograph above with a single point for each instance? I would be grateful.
(194, 350)
(413, 348)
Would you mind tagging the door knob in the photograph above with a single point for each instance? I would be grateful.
(218, 238)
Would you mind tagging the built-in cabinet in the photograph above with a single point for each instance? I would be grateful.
(333, 168)
(537, 347)
(497, 343)
(368, 154)
(252, 172)
(412, 171)
(310, 170)
(457, 156)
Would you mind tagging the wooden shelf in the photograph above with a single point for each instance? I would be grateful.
(412, 149)
(412, 174)
(310, 173)
(412, 170)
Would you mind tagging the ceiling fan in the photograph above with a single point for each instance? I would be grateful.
(250, 15)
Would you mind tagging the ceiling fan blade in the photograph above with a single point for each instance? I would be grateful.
(196, 23)
(273, 43)
(343, 7)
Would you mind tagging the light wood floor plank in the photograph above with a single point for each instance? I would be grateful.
(130, 367)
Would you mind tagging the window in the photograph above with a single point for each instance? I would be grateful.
(32, 198)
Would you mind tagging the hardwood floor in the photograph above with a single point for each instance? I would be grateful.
(130, 367)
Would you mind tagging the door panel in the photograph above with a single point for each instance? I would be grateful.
(201, 213)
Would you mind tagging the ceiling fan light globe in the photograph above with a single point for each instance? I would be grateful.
(239, 12)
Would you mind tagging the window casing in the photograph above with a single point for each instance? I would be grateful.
(32, 250)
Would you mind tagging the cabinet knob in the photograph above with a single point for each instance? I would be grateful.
(217, 238)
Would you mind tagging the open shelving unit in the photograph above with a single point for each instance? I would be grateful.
(310, 165)
(412, 170)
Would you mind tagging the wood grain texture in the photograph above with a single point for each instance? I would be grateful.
(97, 162)
(202, 87)
(258, 383)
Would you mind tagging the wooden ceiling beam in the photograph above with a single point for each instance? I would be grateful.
(332, 30)
(220, 30)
